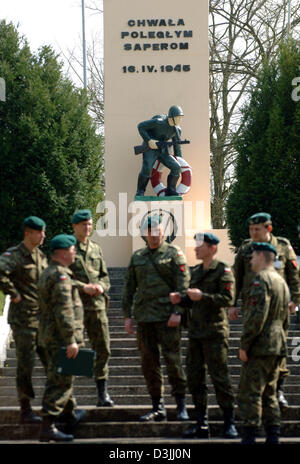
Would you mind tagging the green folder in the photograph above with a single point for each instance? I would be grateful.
(82, 365)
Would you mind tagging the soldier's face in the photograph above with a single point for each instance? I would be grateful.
(83, 229)
(204, 251)
(36, 237)
(258, 232)
(176, 121)
(255, 261)
(154, 237)
(69, 255)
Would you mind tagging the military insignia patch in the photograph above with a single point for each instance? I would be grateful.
(179, 253)
(7, 253)
(256, 283)
(227, 269)
(295, 264)
(228, 286)
(62, 277)
(182, 268)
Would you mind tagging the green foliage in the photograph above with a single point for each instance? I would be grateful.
(268, 162)
(51, 156)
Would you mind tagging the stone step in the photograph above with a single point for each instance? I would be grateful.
(292, 381)
(131, 357)
(115, 369)
(131, 413)
(126, 399)
(116, 391)
(126, 351)
(168, 429)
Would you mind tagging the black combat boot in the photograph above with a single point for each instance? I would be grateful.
(158, 412)
(248, 436)
(103, 397)
(171, 185)
(141, 185)
(27, 416)
(229, 427)
(69, 421)
(283, 404)
(272, 435)
(200, 429)
(49, 432)
(182, 414)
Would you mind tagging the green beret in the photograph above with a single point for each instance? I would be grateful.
(151, 222)
(207, 237)
(263, 246)
(62, 241)
(81, 215)
(259, 218)
(34, 222)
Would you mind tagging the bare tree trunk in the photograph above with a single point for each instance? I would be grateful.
(243, 34)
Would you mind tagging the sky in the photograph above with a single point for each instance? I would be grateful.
(54, 22)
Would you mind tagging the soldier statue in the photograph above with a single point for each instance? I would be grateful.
(155, 132)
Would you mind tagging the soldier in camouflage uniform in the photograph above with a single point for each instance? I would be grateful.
(260, 228)
(91, 275)
(211, 290)
(263, 345)
(151, 273)
(20, 268)
(61, 325)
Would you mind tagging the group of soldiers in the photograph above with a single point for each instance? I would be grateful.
(161, 293)
(53, 302)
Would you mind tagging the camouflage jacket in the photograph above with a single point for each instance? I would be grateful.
(90, 267)
(61, 319)
(286, 265)
(208, 316)
(20, 270)
(267, 320)
(145, 292)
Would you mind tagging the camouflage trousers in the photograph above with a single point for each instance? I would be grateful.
(209, 355)
(26, 342)
(58, 394)
(96, 325)
(257, 400)
(154, 339)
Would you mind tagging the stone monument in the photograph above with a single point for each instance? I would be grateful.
(155, 57)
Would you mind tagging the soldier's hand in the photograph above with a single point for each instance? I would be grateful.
(233, 313)
(89, 289)
(174, 320)
(152, 144)
(195, 294)
(243, 355)
(72, 350)
(17, 299)
(129, 325)
(175, 298)
(292, 307)
(98, 289)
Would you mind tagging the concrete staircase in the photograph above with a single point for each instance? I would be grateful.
(127, 388)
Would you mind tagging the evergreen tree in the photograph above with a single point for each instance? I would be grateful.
(50, 153)
(268, 162)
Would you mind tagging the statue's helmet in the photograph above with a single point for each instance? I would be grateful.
(175, 111)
